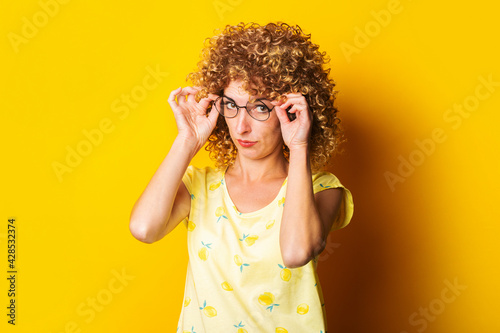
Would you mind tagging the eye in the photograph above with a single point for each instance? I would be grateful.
(230, 105)
(261, 108)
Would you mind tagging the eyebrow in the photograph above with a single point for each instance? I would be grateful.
(256, 99)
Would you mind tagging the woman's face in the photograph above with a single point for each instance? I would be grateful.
(254, 139)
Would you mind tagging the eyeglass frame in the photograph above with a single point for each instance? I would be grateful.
(243, 107)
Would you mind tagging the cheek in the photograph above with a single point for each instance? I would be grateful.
(272, 122)
(274, 132)
(274, 125)
(229, 124)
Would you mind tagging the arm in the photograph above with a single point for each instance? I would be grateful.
(307, 217)
(166, 202)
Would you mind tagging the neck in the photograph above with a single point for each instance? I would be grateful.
(271, 166)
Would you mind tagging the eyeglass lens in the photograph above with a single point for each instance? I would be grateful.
(258, 110)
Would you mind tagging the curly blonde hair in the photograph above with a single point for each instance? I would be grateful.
(271, 60)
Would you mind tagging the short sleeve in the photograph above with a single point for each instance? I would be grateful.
(326, 180)
(187, 179)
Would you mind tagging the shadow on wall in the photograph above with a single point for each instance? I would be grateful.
(370, 280)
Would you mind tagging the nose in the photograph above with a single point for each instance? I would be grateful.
(243, 121)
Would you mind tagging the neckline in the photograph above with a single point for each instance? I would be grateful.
(255, 212)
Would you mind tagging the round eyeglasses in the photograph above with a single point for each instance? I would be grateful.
(259, 110)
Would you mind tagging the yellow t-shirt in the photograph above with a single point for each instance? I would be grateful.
(236, 280)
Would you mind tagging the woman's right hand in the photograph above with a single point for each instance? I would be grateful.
(193, 125)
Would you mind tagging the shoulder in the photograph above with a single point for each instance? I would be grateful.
(195, 176)
(203, 171)
(324, 180)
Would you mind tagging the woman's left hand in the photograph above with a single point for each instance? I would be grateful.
(295, 132)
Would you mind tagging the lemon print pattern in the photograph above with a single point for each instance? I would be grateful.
(239, 262)
(203, 253)
(270, 224)
(226, 286)
(285, 274)
(236, 210)
(236, 270)
(249, 240)
(209, 311)
(214, 186)
(302, 309)
(220, 212)
(192, 330)
(267, 299)
(240, 328)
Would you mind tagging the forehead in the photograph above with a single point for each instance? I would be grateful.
(236, 91)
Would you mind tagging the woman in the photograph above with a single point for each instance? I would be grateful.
(264, 102)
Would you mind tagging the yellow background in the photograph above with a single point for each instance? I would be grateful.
(440, 224)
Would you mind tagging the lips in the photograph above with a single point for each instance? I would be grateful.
(246, 143)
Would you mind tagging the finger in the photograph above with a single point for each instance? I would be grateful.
(205, 102)
(190, 90)
(191, 98)
(300, 111)
(181, 96)
(191, 94)
(291, 103)
(296, 112)
(171, 97)
(286, 104)
(297, 97)
(282, 115)
(212, 116)
(213, 97)
(200, 88)
(174, 93)
(277, 103)
(294, 109)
